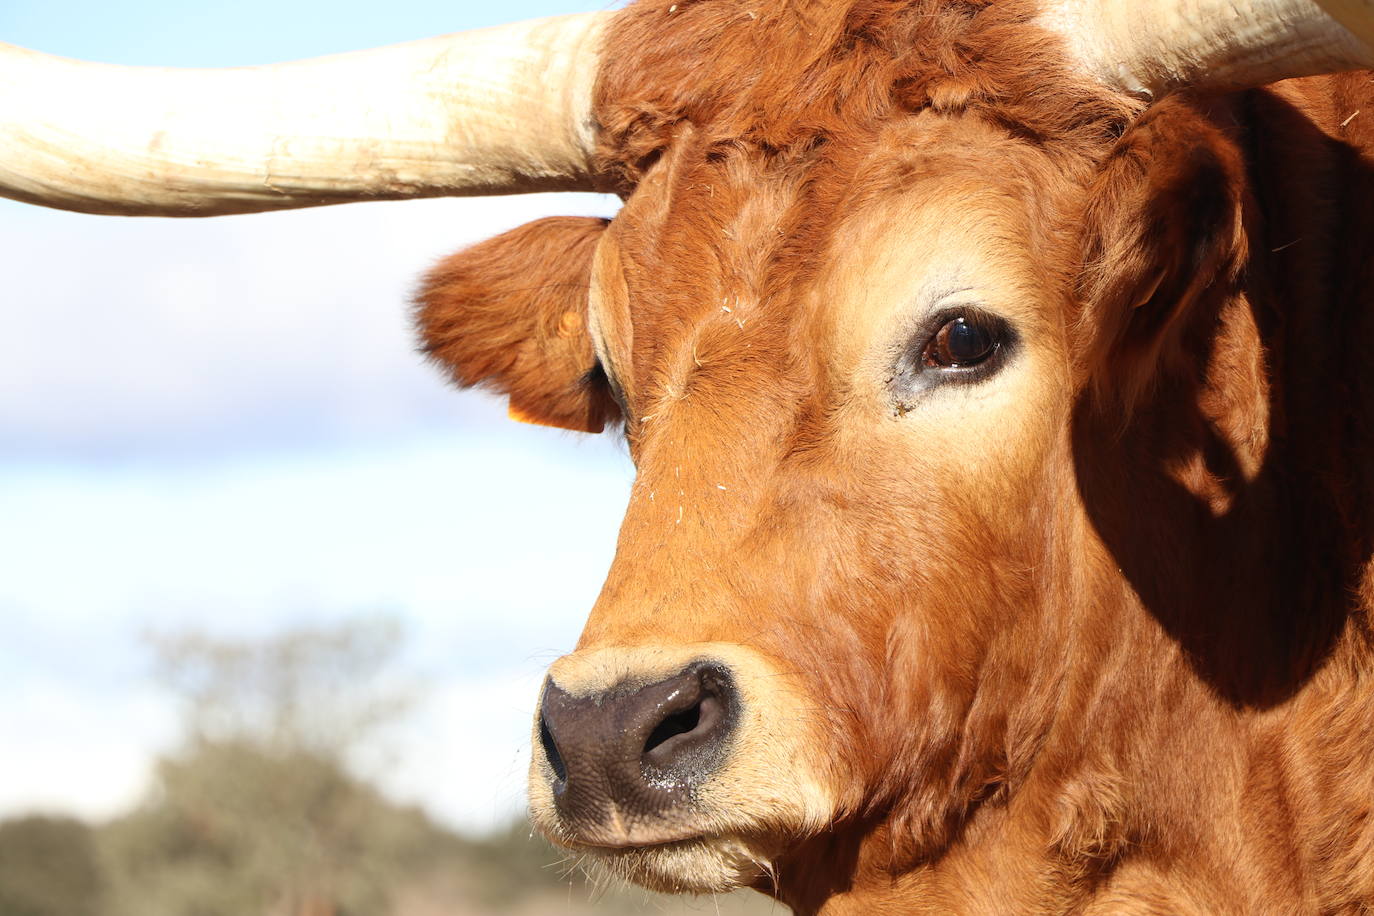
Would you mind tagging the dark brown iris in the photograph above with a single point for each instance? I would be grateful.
(960, 343)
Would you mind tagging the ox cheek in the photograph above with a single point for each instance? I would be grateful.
(625, 762)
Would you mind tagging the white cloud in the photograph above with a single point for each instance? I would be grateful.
(466, 753)
(127, 337)
(74, 750)
(515, 519)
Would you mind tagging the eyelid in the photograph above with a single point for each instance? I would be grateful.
(969, 311)
(912, 380)
(971, 314)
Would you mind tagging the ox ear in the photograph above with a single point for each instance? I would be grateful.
(510, 314)
(1162, 241)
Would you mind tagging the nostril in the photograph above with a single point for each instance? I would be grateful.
(679, 723)
(551, 751)
(683, 729)
(619, 755)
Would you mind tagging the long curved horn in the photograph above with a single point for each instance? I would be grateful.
(1149, 47)
(1355, 15)
(498, 111)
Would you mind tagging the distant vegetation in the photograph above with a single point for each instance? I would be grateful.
(49, 867)
(257, 814)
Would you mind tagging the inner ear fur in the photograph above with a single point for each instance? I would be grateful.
(1162, 240)
(510, 314)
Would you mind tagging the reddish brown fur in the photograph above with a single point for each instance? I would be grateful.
(511, 314)
(1131, 677)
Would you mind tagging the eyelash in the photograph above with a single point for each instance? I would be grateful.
(915, 374)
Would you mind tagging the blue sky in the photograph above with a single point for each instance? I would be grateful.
(223, 424)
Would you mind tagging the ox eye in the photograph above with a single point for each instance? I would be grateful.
(961, 345)
(963, 342)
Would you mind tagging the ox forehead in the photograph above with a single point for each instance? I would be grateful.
(814, 273)
(995, 374)
(767, 415)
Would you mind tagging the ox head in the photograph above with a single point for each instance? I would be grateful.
(886, 277)
(883, 272)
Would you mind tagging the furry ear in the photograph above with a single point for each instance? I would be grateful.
(511, 314)
(1162, 240)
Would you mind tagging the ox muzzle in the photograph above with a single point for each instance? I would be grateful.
(682, 769)
(627, 759)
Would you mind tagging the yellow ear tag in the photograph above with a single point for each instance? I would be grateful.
(523, 416)
(520, 416)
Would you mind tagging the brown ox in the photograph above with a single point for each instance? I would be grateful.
(1001, 538)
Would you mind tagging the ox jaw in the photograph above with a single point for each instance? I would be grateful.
(705, 865)
(710, 825)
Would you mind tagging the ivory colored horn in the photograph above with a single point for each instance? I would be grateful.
(505, 110)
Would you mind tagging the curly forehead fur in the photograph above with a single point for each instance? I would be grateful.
(782, 77)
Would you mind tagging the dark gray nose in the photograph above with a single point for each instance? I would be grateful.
(629, 755)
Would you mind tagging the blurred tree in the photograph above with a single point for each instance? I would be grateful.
(323, 690)
(235, 830)
(258, 812)
(49, 867)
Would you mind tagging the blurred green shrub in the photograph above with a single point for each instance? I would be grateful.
(258, 814)
(237, 829)
(49, 867)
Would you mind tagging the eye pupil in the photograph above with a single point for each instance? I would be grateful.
(966, 342)
(960, 343)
